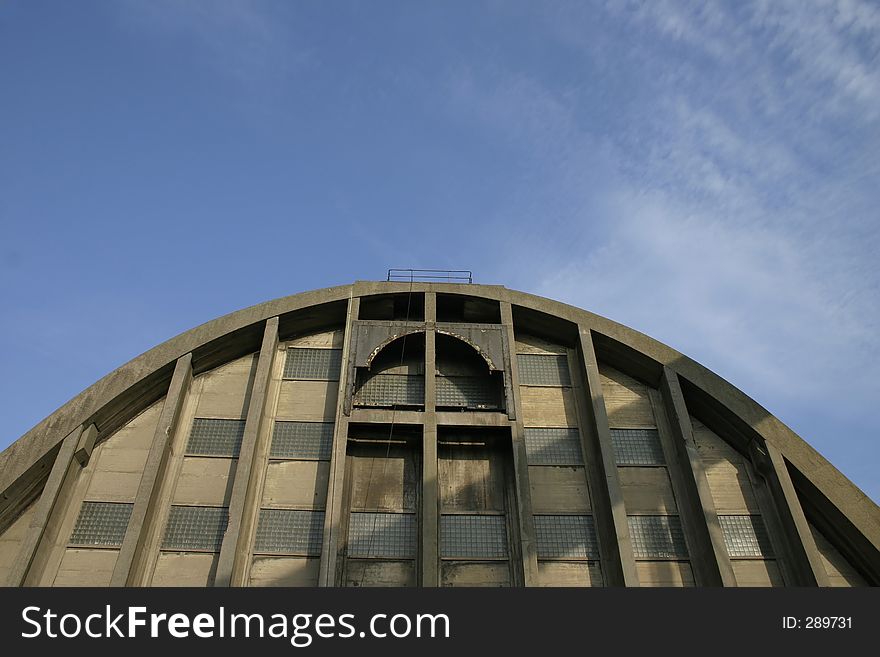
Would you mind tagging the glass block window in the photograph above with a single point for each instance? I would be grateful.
(391, 390)
(101, 523)
(553, 446)
(313, 364)
(195, 528)
(288, 531)
(387, 535)
(566, 537)
(473, 536)
(543, 370)
(469, 392)
(302, 440)
(657, 537)
(637, 447)
(210, 437)
(745, 536)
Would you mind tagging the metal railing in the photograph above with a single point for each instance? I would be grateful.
(436, 275)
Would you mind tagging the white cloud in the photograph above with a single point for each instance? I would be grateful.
(743, 299)
(832, 42)
(733, 214)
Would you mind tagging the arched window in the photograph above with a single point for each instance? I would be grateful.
(464, 380)
(396, 375)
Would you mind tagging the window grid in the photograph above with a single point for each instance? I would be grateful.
(302, 440)
(553, 446)
(468, 392)
(543, 370)
(210, 437)
(566, 537)
(473, 536)
(313, 364)
(657, 537)
(289, 531)
(391, 390)
(382, 535)
(637, 447)
(195, 528)
(101, 523)
(745, 536)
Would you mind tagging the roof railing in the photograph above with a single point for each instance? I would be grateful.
(431, 275)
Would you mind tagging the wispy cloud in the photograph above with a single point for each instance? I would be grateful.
(834, 42)
(735, 216)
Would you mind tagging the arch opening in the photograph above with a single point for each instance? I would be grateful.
(465, 380)
(395, 377)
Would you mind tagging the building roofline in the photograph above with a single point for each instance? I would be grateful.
(37, 444)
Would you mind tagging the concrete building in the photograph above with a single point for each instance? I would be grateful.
(423, 434)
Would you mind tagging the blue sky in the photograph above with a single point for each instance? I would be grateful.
(707, 173)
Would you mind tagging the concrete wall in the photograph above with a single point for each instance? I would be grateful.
(113, 470)
(556, 489)
(732, 481)
(647, 490)
(291, 483)
(112, 474)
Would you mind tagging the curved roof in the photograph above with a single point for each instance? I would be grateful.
(148, 374)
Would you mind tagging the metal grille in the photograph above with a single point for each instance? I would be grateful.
(637, 447)
(302, 440)
(290, 531)
(566, 537)
(745, 536)
(472, 536)
(391, 390)
(382, 535)
(541, 370)
(195, 528)
(546, 446)
(468, 392)
(215, 437)
(313, 364)
(101, 523)
(657, 537)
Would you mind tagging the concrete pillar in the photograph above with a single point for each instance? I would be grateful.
(698, 518)
(131, 565)
(528, 541)
(430, 558)
(601, 507)
(807, 563)
(620, 570)
(52, 503)
(712, 564)
(335, 482)
(234, 561)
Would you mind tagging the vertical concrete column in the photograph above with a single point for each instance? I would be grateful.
(335, 482)
(621, 570)
(528, 540)
(609, 555)
(705, 533)
(131, 565)
(52, 503)
(430, 558)
(709, 557)
(234, 561)
(807, 563)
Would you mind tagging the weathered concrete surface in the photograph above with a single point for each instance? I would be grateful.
(696, 483)
(234, 553)
(150, 367)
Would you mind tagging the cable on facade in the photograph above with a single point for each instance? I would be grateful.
(369, 550)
